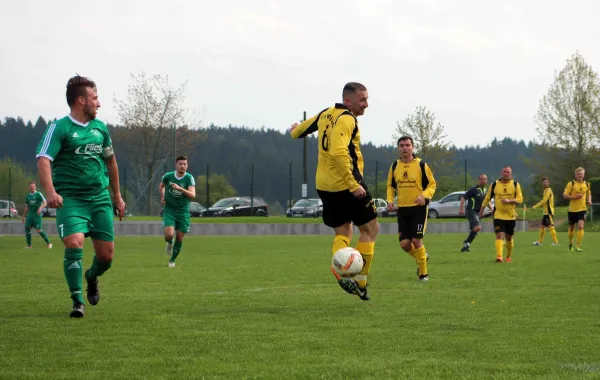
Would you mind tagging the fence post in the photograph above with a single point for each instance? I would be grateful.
(207, 188)
(252, 191)
(376, 179)
(290, 201)
(9, 192)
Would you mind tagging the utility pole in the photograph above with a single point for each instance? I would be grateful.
(305, 181)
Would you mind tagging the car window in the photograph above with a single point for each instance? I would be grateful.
(3, 204)
(452, 198)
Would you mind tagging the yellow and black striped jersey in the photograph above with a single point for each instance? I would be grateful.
(547, 201)
(574, 188)
(340, 163)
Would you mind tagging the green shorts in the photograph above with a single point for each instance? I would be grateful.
(179, 220)
(33, 222)
(93, 217)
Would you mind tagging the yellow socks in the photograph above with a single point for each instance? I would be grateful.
(542, 233)
(339, 242)
(509, 247)
(499, 244)
(579, 237)
(571, 233)
(412, 251)
(366, 251)
(553, 233)
(421, 257)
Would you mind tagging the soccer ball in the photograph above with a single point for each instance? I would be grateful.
(347, 262)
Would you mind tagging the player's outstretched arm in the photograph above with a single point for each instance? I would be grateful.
(190, 192)
(300, 130)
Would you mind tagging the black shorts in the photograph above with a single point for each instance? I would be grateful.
(342, 207)
(548, 220)
(473, 218)
(575, 217)
(506, 226)
(412, 222)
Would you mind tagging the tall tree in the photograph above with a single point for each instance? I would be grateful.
(428, 135)
(218, 188)
(155, 128)
(569, 114)
(14, 183)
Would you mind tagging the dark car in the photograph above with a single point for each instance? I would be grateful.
(312, 208)
(238, 206)
(196, 209)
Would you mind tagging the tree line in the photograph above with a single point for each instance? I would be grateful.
(154, 128)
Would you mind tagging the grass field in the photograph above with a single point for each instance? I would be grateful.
(268, 308)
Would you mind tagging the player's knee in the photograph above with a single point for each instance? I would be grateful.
(106, 252)
(476, 228)
(38, 231)
(73, 241)
(417, 243)
(406, 245)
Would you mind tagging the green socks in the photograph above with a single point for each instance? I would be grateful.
(28, 236)
(45, 237)
(73, 272)
(176, 249)
(98, 268)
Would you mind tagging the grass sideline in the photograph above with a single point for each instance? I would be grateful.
(268, 308)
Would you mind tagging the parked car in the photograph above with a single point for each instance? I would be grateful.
(49, 212)
(311, 207)
(196, 209)
(381, 206)
(238, 206)
(5, 211)
(448, 207)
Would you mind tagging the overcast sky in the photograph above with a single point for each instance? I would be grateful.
(480, 66)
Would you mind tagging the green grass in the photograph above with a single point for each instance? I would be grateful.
(268, 308)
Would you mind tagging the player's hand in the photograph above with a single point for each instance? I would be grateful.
(461, 212)
(579, 196)
(176, 186)
(162, 201)
(120, 205)
(23, 219)
(505, 200)
(481, 212)
(294, 126)
(39, 211)
(391, 206)
(54, 200)
(360, 192)
(589, 203)
(420, 200)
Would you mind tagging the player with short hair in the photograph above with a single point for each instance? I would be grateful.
(474, 197)
(32, 215)
(579, 194)
(339, 180)
(548, 219)
(176, 189)
(412, 180)
(506, 193)
(76, 164)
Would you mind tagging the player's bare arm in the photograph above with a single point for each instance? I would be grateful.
(25, 211)
(39, 211)
(53, 199)
(190, 192)
(161, 191)
(113, 176)
(461, 208)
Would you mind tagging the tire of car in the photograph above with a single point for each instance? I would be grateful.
(260, 213)
(227, 214)
(433, 214)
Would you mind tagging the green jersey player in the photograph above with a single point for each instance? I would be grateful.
(176, 189)
(32, 215)
(76, 164)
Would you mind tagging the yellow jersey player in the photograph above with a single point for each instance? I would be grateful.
(507, 194)
(579, 194)
(339, 179)
(411, 179)
(548, 219)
